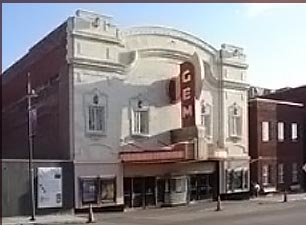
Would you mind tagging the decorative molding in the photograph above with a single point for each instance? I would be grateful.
(99, 64)
(132, 56)
(235, 64)
(164, 53)
(236, 85)
(95, 37)
(108, 148)
(226, 83)
(243, 148)
(172, 33)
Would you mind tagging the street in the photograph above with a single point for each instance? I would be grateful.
(236, 213)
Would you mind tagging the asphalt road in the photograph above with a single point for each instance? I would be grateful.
(293, 213)
(289, 216)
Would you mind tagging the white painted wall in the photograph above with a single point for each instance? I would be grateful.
(157, 54)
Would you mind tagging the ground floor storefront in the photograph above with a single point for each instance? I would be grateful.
(155, 185)
(167, 190)
(118, 185)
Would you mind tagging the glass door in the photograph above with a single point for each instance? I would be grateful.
(138, 189)
(127, 185)
(149, 191)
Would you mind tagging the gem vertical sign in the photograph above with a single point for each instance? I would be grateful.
(187, 83)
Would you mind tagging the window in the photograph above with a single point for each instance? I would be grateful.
(140, 119)
(167, 184)
(98, 190)
(237, 179)
(177, 185)
(107, 190)
(280, 131)
(96, 121)
(206, 119)
(89, 190)
(280, 173)
(294, 173)
(265, 174)
(246, 179)
(235, 121)
(95, 113)
(294, 132)
(265, 131)
(141, 122)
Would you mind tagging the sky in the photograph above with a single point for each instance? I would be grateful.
(273, 35)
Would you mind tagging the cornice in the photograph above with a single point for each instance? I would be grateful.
(235, 64)
(99, 64)
(94, 37)
(170, 32)
(236, 85)
(164, 53)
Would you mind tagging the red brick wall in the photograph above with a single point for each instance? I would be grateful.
(274, 152)
(253, 141)
(46, 62)
(296, 95)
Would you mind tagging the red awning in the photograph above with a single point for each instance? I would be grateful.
(178, 152)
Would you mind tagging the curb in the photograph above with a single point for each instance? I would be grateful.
(81, 221)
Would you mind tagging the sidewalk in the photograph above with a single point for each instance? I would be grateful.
(279, 197)
(46, 219)
(180, 213)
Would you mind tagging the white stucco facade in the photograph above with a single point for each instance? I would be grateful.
(122, 67)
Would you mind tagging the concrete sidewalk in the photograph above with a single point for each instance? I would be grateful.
(46, 219)
(179, 213)
(279, 197)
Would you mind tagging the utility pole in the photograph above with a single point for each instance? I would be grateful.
(31, 119)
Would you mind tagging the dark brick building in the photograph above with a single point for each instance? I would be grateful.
(276, 132)
(46, 62)
(297, 94)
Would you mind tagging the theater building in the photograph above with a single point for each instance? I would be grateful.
(150, 116)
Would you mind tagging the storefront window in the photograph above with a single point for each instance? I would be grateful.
(236, 179)
(98, 190)
(89, 190)
(167, 189)
(177, 185)
(107, 190)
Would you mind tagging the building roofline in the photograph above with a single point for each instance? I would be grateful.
(169, 31)
(289, 90)
(277, 102)
(8, 73)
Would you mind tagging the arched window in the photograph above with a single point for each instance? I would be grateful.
(95, 113)
(206, 121)
(235, 121)
(140, 116)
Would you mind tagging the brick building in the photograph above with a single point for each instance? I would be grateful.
(46, 62)
(276, 135)
(297, 94)
(145, 116)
